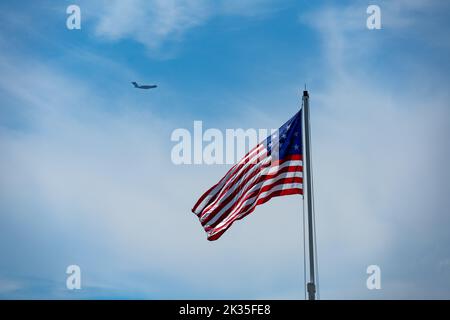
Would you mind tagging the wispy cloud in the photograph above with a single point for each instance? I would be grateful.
(156, 23)
(150, 22)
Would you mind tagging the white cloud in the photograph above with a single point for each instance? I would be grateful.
(156, 23)
(150, 22)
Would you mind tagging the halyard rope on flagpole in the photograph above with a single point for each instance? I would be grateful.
(313, 207)
(304, 250)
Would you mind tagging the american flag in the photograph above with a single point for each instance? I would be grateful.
(273, 168)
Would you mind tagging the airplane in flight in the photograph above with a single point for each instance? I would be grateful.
(144, 86)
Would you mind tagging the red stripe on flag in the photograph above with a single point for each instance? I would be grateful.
(217, 235)
(242, 191)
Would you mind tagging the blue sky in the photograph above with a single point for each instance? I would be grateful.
(86, 175)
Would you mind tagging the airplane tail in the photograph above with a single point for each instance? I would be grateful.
(135, 84)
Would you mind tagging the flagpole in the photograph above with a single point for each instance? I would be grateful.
(311, 285)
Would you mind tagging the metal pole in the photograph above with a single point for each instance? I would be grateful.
(311, 285)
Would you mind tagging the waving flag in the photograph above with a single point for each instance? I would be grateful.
(273, 168)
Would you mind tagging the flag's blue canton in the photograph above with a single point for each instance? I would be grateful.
(288, 138)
